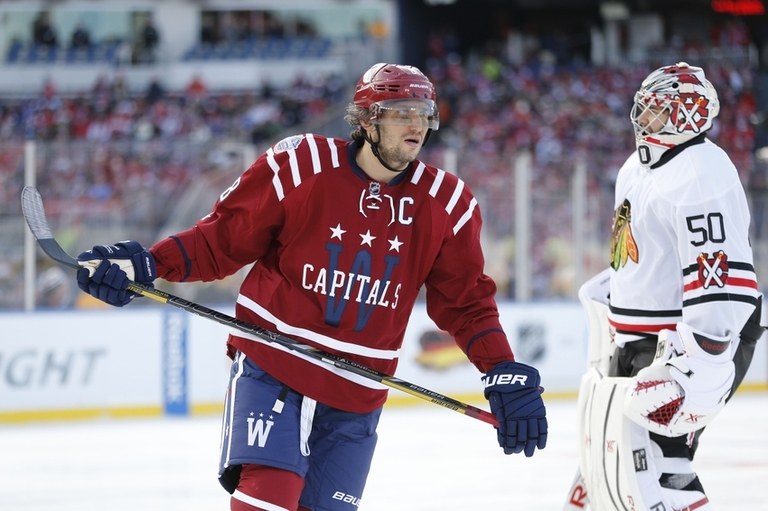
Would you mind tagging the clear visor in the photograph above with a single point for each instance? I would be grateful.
(406, 112)
(650, 113)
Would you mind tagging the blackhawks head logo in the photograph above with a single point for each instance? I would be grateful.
(623, 244)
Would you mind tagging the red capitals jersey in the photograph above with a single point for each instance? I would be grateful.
(340, 260)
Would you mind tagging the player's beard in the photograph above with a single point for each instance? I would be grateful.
(396, 156)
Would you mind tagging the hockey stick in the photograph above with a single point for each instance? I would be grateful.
(34, 214)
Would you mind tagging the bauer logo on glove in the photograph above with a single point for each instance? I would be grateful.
(505, 379)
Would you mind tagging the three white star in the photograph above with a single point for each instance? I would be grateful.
(367, 238)
(337, 231)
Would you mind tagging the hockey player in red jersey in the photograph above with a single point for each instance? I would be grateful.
(674, 320)
(343, 234)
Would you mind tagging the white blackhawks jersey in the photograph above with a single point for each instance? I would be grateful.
(680, 248)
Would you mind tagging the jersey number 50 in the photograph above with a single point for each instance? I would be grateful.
(706, 228)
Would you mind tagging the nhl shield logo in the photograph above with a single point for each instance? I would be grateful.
(371, 198)
(713, 270)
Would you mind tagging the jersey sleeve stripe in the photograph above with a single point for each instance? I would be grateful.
(438, 181)
(455, 198)
(731, 282)
(314, 153)
(278, 186)
(734, 265)
(721, 297)
(748, 283)
(322, 340)
(334, 153)
(466, 216)
(293, 162)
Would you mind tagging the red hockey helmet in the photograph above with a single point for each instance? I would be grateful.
(403, 90)
(383, 82)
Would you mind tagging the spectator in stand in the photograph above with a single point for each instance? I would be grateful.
(43, 33)
(155, 92)
(196, 89)
(147, 44)
(81, 37)
(273, 27)
(209, 34)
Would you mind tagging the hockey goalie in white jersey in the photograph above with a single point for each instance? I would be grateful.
(674, 320)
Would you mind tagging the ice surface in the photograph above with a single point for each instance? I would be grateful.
(428, 459)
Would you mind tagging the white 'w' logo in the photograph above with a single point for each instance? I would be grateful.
(258, 432)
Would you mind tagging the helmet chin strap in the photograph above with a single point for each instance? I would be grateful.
(375, 151)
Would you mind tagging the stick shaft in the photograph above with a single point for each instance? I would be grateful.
(287, 342)
(34, 214)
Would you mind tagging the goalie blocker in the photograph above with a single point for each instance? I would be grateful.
(630, 464)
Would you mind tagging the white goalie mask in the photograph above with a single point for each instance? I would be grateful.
(674, 104)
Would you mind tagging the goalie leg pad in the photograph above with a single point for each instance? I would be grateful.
(623, 469)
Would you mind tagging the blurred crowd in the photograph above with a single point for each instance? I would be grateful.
(491, 109)
(110, 111)
(111, 159)
(105, 142)
(104, 148)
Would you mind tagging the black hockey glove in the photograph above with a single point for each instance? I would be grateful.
(515, 396)
(107, 270)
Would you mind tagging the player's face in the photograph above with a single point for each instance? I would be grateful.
(653, 119)
(400, 145)
(403, 126)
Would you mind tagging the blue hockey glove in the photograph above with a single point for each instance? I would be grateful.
(107, 270)
(515, 396)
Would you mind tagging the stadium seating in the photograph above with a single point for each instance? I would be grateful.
(20, 53)
(263, 49)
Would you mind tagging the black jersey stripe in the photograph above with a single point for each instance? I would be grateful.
(694, 268)
(721, 297)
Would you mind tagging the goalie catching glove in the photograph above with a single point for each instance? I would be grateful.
(513, 391)
(108, 269)
(686, 385)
